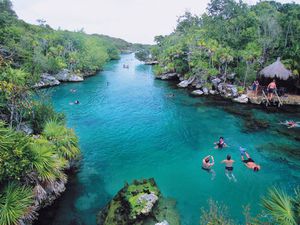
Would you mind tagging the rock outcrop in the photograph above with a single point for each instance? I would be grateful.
(241, 99)
(47, 80)
(139, 203)
(167, 76)
(67, 76)
(197, 92)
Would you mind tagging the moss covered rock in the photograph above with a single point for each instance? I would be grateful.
(139, 203)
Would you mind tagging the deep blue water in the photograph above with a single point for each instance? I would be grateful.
(129, 129)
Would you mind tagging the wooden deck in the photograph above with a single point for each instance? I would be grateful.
(287, 99)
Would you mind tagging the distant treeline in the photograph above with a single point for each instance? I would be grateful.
(232, 37)
(39, 48)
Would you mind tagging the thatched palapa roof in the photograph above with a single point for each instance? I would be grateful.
(277, 70)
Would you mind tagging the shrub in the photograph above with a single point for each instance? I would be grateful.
(14, 203)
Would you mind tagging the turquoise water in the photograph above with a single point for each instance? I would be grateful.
(130, 129)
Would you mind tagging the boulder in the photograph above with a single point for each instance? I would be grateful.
(168, 76)
(212, 92)
(197, 92)
(216, 82)
(199, 85)
(241, 99)
(46, 81)
(183, 84)
(25, 128)
(139, 203)
(147, 201)
(205, 90)
(66, 76)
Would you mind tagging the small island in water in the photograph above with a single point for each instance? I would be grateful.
(202, 127)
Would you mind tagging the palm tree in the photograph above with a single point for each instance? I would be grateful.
(280, 206)
(45, 162)
(63, 138)
(15, 200)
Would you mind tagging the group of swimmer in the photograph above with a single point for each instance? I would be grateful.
(208, 162)
(76, 102)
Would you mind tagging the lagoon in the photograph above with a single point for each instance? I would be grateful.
(129, 128)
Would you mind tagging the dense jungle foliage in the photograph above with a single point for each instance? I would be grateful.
(33, 166)
(232, 37)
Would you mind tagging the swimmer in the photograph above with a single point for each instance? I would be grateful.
(72, 90)
(171, 95)
(242, 150)
(207, 165)
(290, 123)
(220, 144)
(229, 168)
(249, 162)
(76, 102)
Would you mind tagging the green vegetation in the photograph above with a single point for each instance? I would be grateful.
(231, 37)
(278, 208)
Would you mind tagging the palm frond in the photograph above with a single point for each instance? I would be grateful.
(14, 203)
(279, 205)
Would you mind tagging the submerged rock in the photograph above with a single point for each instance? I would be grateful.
(163, 223)
(139, 203)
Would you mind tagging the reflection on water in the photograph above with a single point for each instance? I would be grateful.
(130, 129)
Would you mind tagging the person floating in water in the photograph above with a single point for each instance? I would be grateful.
(207, 165)
(76, 102)
(72, 90)
(220, 144)
(171, 95)
(229, 168)
(291, 124)
(249, 162)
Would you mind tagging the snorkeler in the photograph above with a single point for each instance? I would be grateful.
(207, 165)
(291, 123)
(220, 144)
(229, 168)
(249, 162)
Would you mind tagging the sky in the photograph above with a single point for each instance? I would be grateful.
(136, 21)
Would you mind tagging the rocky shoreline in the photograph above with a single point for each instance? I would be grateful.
(65, 75)
(221, 86)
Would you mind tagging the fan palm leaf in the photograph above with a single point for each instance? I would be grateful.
(14, 203)
(63, 138)
(279, 205)
(46, 162)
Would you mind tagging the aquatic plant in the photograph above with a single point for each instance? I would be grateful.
(15, 200)
(216, 214)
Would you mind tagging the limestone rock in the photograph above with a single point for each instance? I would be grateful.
(197, 92)
(212, 92)
(241, 99)
(205, 90)
(168, 76)
(183, 84)
(66, 76)
(46, 81)
(148, 201)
